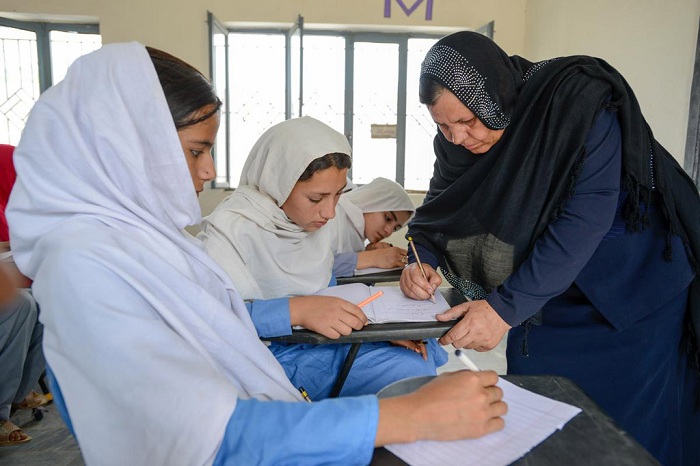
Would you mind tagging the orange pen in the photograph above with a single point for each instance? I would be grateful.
(371, 298)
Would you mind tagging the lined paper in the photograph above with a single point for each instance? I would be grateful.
(392, 306)
(531, 418)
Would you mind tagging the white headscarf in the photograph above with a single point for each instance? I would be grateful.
(251, 237)
(149, 341)
(348, 226)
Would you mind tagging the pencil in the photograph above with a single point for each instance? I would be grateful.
(371, 298)
(466, 361)
(420, 265)
(304, 394)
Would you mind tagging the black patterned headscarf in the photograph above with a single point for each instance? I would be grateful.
(483, 212)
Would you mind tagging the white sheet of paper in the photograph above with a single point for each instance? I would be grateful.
(392, 306)
(531, 418)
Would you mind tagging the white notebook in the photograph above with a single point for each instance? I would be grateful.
(392, 306)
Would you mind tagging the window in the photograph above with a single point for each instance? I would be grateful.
(35, 56)
(354, 82)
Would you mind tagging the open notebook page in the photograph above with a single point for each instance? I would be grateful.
(531, 418)
(392, 306)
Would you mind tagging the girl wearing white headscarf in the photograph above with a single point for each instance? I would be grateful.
(279, 263)
(154, 354)
(369, 213)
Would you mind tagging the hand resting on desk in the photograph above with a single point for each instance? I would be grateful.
(481, 328)
(453, 406)
(383, 258)
(327, 315)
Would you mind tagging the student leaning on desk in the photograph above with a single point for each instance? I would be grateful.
(369, 214)
(154, 352)
(271, 236)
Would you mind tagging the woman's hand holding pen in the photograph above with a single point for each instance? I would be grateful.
(453, 406)
(415, 286)
(327, 315)
(481, 328)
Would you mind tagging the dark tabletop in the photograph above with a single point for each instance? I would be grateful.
(372, 278)
(590, 438)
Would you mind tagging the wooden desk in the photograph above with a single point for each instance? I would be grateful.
(372, 278)
(375, 332)
(590, 438)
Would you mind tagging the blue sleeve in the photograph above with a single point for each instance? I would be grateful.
(338, 431)
(344, 264)
(270, 316)
(567, 244)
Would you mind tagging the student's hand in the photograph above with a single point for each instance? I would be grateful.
(415, 286)
(377, 245)
(453, 406)
(384, 258)
(327, 315)
(481, 328)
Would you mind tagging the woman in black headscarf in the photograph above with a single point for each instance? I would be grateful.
(563, 221)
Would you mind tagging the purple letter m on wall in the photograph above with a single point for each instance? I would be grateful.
(407, 10)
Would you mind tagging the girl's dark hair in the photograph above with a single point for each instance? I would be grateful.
(186, 89)
(429, 90)
(335, 159)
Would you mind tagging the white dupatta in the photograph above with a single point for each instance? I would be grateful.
(379, 195)
(146, 335)
(262, 250)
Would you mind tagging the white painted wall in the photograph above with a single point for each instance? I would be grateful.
(651, 42)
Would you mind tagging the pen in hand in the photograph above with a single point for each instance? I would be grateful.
(420, 266)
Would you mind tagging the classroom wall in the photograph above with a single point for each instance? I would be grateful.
(652, 42)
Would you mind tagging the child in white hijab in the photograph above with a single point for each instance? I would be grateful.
(270, 236)
(369, 214)
(154, 354)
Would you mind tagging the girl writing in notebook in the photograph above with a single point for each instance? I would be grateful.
(270, 237)
(369, 214)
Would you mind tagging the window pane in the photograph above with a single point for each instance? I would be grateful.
(19, 84)
(324, 79)
(219, 81)
(420, 128)
(375, 102)
(66, 47)
(257, 83)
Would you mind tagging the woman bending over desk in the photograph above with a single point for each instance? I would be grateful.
(553, 207)
(369, 214)
(270, 237)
